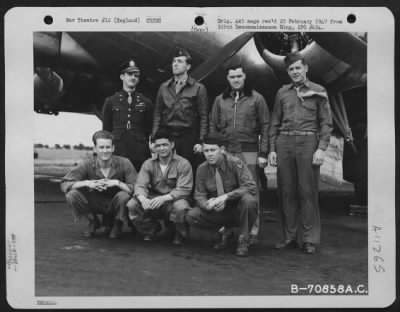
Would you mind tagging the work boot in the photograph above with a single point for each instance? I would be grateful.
(309, 248)
(181, 228)
(93, 225)
(253, 240)
(223, 243)
(116, 230)
(242, 250)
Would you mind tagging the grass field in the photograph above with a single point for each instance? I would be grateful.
(57, 162)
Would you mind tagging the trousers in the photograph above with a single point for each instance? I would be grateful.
(297, 180)
(146, 221)
(84, 202)
(242, 212)
(250, 159)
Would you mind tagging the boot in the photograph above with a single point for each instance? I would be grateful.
(225, 236)
(93, 225)
(242, 250)
(116, 230)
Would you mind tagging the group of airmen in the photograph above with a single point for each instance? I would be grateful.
(203, 171)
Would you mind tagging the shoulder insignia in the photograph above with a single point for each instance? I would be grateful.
(239, 164)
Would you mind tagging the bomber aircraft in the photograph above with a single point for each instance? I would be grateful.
(76, 71)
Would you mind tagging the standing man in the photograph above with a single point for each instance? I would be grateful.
(299, 135)
(101, 184)
(225, 195)
(128, 115)
(181, 107)
(162, 191)
(241, 115)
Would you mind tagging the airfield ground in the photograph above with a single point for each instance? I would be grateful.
(66, 264)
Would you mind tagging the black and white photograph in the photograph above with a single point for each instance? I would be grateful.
(221, 162)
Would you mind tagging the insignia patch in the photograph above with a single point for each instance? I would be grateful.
(239, 165)
(131, 64)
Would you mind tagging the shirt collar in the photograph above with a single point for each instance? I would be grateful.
(305, 83)
(189, 81)
(221, 164)
(124, 92)
(95, 163)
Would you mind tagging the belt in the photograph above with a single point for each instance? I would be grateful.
(297, 132)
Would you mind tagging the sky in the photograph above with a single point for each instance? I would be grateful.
(66, 128)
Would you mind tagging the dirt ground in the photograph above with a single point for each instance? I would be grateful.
(69, 265)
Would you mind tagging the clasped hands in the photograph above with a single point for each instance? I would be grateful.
(153, 203)
(102, 184)
(217, 203)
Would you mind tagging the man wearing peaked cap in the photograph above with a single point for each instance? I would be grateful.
(128, 115)
(129, 66)
(181, 108)
(299, 135)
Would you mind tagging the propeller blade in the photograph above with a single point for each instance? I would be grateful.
(229, 50)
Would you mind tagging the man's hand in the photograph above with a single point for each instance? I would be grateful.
(145, 202)
(97, 185)
(110, 183)
(220, 202)
(210, 204)
(272, 159)
(262, 162)
(198, 148)
(157, 202)
(318, 157)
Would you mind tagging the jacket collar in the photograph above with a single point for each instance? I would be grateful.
(189, 81)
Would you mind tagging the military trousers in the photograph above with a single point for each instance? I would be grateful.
(241, 212)
(85, 202)
(146, 221)
(298, 180)
(250, 159)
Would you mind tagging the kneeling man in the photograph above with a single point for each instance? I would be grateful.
(162, 191)
(101, 184)
(225, 195)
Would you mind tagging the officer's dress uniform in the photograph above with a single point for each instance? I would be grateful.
(177, 181)
(301, 123)
(111, 201)
(238, 184)
(129, 117)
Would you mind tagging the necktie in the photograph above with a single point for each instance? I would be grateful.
(299, 95)
(218, 180)
(129, 98)
(128, 123)
(178, 86)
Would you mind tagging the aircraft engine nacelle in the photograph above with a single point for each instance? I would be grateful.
(48, 89)
(328, 64)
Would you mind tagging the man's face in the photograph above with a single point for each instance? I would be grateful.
(213, 153)
(130, 79)
(297, 72)
(104, 149)
(236, 79)
(180, 65)
(163, 147)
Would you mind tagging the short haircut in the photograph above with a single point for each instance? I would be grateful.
(234, 66)
(162, 133)
(294, 57)
(102, 134)
(214, 139)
